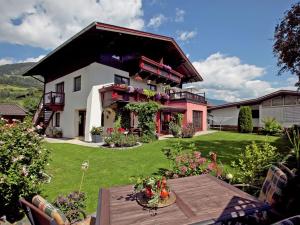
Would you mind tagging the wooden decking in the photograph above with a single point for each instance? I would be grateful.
(199, 199)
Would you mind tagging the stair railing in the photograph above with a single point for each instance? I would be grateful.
(38, 111)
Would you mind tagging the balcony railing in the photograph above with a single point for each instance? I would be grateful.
(160, 70)
(188, 96)
(54, 99)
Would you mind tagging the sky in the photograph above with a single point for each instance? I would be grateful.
(228, 42)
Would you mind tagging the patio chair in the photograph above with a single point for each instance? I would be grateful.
(295, 220)
(273, 191)
(41, 212)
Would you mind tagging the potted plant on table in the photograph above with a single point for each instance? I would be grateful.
(153, 192)
(96, 133)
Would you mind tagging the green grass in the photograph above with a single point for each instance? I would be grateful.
(115, 167)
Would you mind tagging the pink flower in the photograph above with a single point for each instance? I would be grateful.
(201, 160)
(178, 159)
(175, 176)
(212, 166)
(183, 170)
(193, 166)
(197, 154)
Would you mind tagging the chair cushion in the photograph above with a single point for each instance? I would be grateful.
(295, 220)
(274, 183)
(50, 210)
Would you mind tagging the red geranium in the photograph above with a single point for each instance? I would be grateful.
(109, 130)
(121, 130)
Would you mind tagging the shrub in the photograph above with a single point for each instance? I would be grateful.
(293, 135)
(146, 111)
(147, 138)
(271, 127)
(185, 161)
(254, 162)
(175, 129)
(245, 120)
(188, 131)
(22, 163)
(72, 205)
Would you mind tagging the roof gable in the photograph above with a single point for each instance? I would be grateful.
(99, 38)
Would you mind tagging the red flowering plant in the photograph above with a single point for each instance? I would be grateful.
(118, 137)
(153, 189)
(189, 162)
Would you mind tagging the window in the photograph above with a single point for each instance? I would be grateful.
(121, 80)
(197, 119)
(255, 113)
(60, 87)
(277, 101)
(290, 100)
(152, 87)
(57, 119)
(77, 83)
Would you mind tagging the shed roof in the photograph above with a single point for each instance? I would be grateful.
(256, 100)
(11, 109)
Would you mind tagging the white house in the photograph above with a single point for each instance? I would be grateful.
(92, 76)
(283, 105)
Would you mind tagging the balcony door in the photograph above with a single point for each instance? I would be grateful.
(60, 87)
(197, 120)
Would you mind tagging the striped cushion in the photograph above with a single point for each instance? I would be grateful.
(295, 220)
(50, 210)
(274, 183)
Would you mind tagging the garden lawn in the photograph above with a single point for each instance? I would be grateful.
(109, 168)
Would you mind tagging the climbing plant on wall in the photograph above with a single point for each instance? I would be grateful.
(146, 112)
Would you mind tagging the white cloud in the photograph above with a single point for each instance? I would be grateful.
(157, 21)
(227, 78)
(47, 23)
(180, 13)
(186, 35)
(4, 61)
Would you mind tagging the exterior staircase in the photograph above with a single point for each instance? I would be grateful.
(49, 104)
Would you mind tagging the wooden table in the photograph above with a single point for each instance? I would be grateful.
(199, 199)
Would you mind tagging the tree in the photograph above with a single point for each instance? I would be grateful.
(287, 42)
(245, 120)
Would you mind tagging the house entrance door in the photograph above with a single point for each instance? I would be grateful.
(164, 121)
(81, 125)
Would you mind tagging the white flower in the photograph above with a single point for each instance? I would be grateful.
(85, 165)
(229, 176)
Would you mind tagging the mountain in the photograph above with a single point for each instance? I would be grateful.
(11, 74)
(215, 101)
(15, 68)
(25, 91)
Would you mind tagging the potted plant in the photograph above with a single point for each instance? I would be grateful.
(154, 192)
(96, 133)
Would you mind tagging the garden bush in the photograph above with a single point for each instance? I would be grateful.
(72, 205)
(245, 120)
(175, 129)
(271, 127)
(188, 131)
(253, 163)
(186, 161)
(146, 112)
(22, 163)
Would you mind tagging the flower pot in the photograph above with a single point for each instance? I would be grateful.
(96, 138)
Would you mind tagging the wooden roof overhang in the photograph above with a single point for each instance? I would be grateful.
(100, 42)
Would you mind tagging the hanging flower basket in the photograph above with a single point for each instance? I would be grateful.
(138, 78)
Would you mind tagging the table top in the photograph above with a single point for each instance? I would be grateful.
(201, 198)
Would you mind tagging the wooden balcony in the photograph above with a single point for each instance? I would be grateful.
(188, 96)
(54, 100)
(156, 71)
